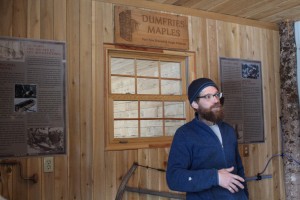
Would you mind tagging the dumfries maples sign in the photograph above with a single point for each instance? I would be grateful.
(151, 29)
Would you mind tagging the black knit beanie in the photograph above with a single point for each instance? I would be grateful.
(197, 86)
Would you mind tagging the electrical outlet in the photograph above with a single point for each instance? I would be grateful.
(246, 150)
(48, 164)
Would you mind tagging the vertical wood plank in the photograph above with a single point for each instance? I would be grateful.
(85, 89)
(74, 142)
(33, 20)
(6, 17)
(153, 180)
(98, 71)
(19, 29)
(6, 182)
(163, 160)
(59, 20)
(19, 189)
(133, 181)
(143, 159)
(121, 168)
(278, 172)
(61, 183)
(108, 24)
(35, 189)
(34, 164)
(110, 177)
(212, 47)
(221, 39)
(47, 17)
(19, 22)
(264, 150)
(198, 44)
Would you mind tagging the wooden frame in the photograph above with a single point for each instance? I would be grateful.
(185, 58)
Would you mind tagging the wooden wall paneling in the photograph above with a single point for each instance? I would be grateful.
(163, 158)
(6, 182)
(111, 186)
(198, 44)
(19, 28)
(245, 52)
(98, 83)
(61, 171)
(253, 170)
(213, 58)
(34, 19)
(263, 147)
(121, 167)
(260, 149)
(278, 174)
(9, 179)
(60, 20)
(143, 159)
(47, 30)
(153, 179)
(6, 17)
(34, 164)
(74, 144)
(254, 152)
(256, 43)
(232, 40)
(268, 106)
(133, 181)
(108, 23)
(19, 189)
(245, 43)
(163, 155)
(85, 89)
(221, 39)
(47, 18)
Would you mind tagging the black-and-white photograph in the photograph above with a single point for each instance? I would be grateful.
(250, 71)
(25, 98)
(45, 140)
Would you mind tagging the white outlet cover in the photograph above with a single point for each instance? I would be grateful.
(48, 164)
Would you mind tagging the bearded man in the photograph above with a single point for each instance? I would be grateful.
(204, 160)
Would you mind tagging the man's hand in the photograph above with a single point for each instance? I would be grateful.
(230, 181)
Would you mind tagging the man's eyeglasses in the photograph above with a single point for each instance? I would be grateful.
(211, 96)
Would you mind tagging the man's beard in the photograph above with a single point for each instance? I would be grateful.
(210, 114)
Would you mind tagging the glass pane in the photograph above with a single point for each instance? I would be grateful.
(174, 109)
(147, 86)
(170, 70)
(125, 109)
(172, 125)
(151, 109)
(122, 66)
(171, 87)
(122, 85)
(125, 128)
(151, 128)
(147, 68)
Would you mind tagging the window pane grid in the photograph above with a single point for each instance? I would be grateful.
(156, 117)
(138, 118)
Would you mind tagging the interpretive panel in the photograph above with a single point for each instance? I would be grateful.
(241, 83)
(33, 97)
